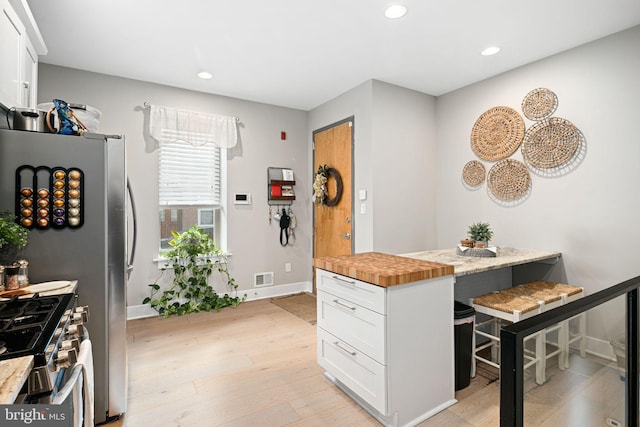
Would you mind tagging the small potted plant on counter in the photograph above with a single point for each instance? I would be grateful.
(481, 233)
(13, 238)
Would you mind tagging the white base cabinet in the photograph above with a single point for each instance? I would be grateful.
(390, 348)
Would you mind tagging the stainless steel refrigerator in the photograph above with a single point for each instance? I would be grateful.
(92, 248)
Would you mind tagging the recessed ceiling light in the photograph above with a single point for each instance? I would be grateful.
(492, 50)
(205, 75)
(395, 11)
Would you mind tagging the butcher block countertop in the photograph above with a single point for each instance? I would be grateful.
(505, 257)
(13, 374)
(383, 269)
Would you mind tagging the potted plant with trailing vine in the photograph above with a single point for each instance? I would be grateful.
(193, 258)
(13, 238)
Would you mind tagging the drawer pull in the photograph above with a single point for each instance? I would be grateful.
(343, 281)
(341, 304)
(337, 344)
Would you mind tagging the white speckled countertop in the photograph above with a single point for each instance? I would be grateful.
(506, 257)
(13, 374)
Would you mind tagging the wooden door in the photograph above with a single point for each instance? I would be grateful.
(333, 225)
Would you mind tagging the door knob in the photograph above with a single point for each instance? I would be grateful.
(346, 236)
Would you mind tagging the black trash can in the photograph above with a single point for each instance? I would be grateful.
(463, 318)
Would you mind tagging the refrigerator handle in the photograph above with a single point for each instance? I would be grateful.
(132, 255)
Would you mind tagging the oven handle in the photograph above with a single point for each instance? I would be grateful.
(74, 380)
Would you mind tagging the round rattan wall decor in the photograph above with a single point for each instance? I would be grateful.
(509, 179)
(497, 133)
(550, 143)
(539, 104)
(473, 173)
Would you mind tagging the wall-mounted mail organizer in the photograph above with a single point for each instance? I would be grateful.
(280, 182)
(49, 197)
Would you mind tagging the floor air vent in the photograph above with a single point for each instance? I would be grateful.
(263, 279)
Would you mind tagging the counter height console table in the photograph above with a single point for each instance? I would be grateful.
(480, 275)
(385, 333)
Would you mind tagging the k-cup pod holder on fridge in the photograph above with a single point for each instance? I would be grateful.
(49, 197)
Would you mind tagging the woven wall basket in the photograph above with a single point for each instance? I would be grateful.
(539, 104)
(550, 143)
(509, 179)
(497, 133)
(474, 173)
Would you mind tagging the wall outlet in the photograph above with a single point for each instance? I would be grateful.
(287, 267)
(613, 423)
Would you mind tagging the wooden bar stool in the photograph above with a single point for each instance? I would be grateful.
(568, 293)
(547, 301)
(503, 307)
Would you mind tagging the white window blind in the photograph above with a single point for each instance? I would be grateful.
(189, 175)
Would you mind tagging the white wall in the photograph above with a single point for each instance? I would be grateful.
(589, 214)
(404, 167)
(394, 161)
(254, 243)
(356, 103)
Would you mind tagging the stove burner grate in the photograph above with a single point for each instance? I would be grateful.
(27, 325)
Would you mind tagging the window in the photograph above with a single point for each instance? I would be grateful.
(192, 172)
(207, 222)
(191, 186)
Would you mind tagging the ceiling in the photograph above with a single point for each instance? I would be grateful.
(302, 53)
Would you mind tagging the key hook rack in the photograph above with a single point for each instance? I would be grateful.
(280, 183)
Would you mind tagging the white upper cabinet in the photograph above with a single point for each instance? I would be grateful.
(20, 45)
(11, 41)
(29, 74)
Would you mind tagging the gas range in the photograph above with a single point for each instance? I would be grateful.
(49, 328)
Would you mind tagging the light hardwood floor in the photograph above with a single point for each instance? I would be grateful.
(255, 365)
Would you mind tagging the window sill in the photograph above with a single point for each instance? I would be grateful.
(163, 263)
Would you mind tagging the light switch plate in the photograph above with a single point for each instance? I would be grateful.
(362, 195)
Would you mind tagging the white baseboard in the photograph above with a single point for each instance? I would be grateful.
(142, 311)
(277, 290)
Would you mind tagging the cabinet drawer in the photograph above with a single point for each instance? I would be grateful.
(358, 292)
(363, 375)
(360, 327)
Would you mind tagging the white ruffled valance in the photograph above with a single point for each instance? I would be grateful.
(171, 124)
